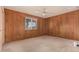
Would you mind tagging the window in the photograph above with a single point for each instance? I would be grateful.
(30, 23)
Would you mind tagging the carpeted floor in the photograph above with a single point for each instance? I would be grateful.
(41, 44)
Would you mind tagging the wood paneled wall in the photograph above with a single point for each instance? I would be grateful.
(65, 25)
(14, 23)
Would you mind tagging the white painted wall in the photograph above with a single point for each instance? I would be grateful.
(1, 27)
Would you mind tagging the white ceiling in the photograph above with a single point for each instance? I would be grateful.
(38, 10)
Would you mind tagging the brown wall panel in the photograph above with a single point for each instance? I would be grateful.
(15, 26)
(65, 25)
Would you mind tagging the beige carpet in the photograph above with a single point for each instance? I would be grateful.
(41, 44)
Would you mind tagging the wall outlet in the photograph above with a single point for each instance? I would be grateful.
(76, 44)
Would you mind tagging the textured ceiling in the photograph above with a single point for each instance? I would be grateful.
(38, 10)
